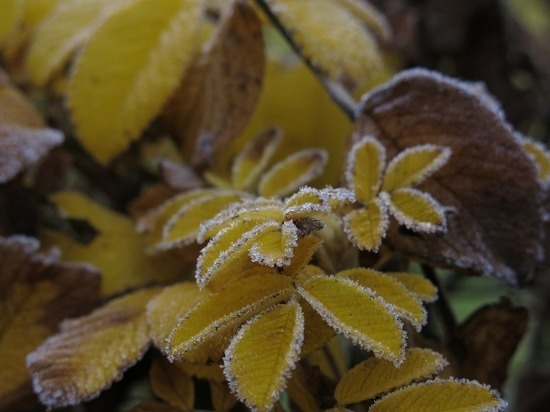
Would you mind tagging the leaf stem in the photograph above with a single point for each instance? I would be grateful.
(337, 93)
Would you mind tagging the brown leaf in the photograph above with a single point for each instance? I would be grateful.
(24, 139)
(36, 293)
(179, 176)
(491, 336)
(219, 92)
(489, 184)
(172, 384)
(152, 406)
(108, 341)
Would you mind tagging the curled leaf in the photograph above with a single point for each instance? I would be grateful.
(483, 183)
(36, 294)
(108, 341)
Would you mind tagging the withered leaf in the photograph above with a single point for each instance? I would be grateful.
(36, 293)
(108, 341)
(491, 336)
(172, 384)
(489, 185)
(24, 139)
(152, 406)
(220, 90)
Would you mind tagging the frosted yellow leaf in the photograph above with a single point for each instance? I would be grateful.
(357, 313)
(406, 304)
(414, 165)
(64, 31)
(317, 332)
(417, 284)
(38, 10)
(442, 396)
(540, 155)
(225, 310)
(117, 249)
(374, 377)
(36, 293)
(256, 210)
(222, 398)
(165, 309)
(182, 227)
(303, 253)
(306, 203)
(275, 245)
(226, 254)
(12, 13)
(254, 158)
(259, 359)
(366, 227)
(372, 17)
(365, 164)
(128, 69)
(108, 341)
(154, 221)
(351, 57)
(172, 384)
(415, 209)
(294, 171)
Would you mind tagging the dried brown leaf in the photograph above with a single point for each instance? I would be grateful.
(24, 139)
(172, 384)
(219, 92)
(489, 185)
(491, 336)
(36, 293)
(108, 341)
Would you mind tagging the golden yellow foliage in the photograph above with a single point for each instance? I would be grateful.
(442, 396)
(260, 357)
(541, 157)
(146, 46)
(11, 16)
(118, 251)
(374, 377)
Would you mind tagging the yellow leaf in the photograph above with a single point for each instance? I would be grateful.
(352, 57)
(254, 158)
(154, 221)
(275, 245)
(63, 31)
(372, 17)
(165, 309)
(255, 210)
(307, 202)
(374, 377)
(108, 341)
(407, 305)
(182, 227)
(226, 310)
(38, 10)
(260, 357)
(36, 293)
(366, 227)
(210, 372)
(365, 164)
(303, 253)
(419, 285)
(219, 91)
(416, 210)
(442, 396)
(117, 249)
(541, 156)
(11, 16)
(226, 258)
(172, 384)
(296, 170)
(128, 69)
(414, 165)
(358, 314)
